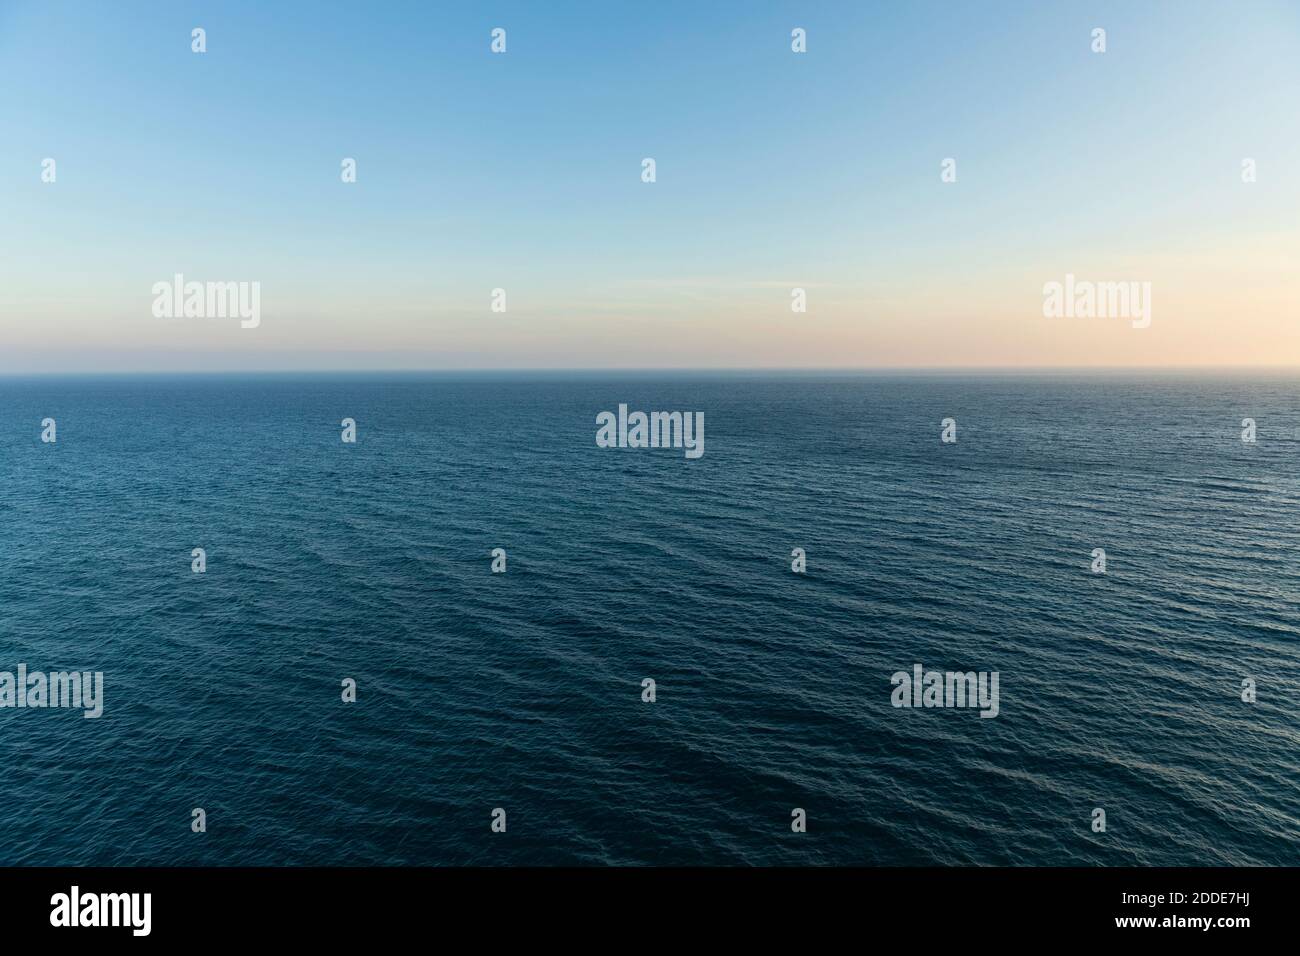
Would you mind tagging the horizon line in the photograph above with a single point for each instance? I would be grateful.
(662, 370)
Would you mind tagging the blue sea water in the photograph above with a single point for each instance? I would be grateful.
(523, 690)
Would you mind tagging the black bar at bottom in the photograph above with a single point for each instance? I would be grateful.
(653, 906)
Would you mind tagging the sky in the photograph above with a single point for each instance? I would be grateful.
(522, 171)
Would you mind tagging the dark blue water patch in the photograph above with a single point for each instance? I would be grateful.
(523, 690)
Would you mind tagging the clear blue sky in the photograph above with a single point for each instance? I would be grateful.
(522, 171)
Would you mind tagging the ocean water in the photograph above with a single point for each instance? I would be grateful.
(523, 690)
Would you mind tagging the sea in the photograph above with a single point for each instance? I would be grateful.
(1164, 691)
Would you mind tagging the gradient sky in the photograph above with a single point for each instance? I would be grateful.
(522, 171)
